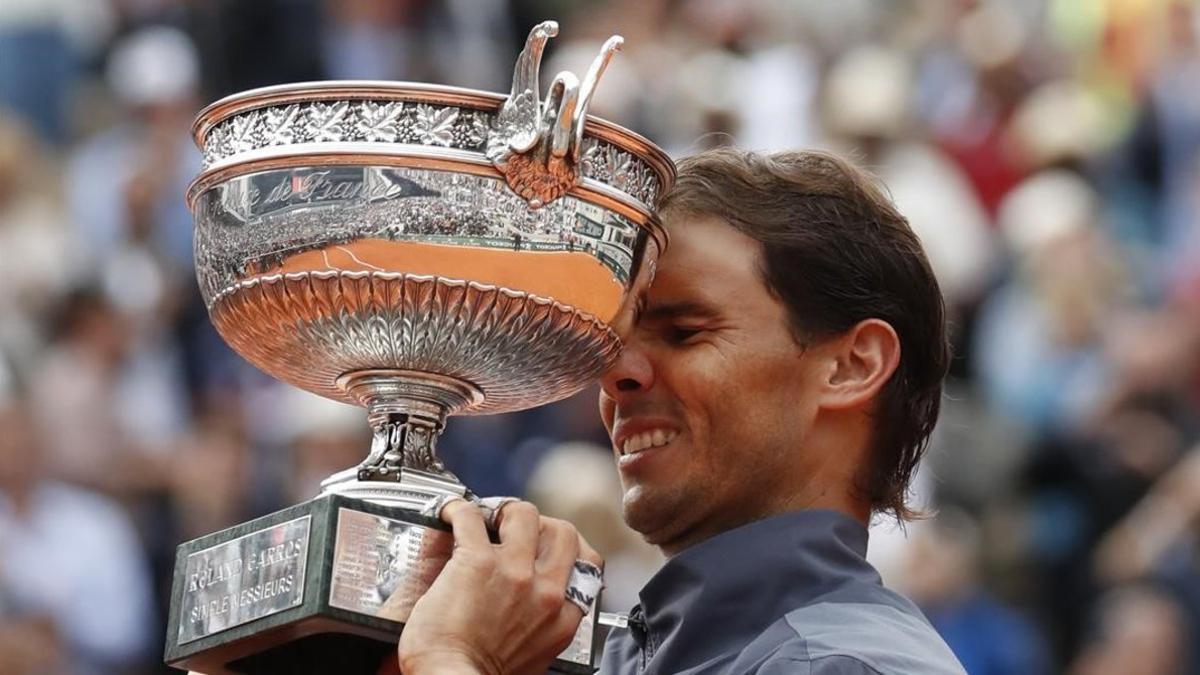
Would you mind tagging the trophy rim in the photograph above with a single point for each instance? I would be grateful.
(422, 92)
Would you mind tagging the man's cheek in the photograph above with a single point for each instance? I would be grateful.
(606, 412)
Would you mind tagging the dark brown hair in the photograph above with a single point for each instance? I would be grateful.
(836, 251)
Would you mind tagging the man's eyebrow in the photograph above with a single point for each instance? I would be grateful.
(660, 311)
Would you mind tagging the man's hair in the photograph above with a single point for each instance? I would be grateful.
(836, 251)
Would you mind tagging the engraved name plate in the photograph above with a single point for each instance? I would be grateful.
(255, 575)
(382, 566)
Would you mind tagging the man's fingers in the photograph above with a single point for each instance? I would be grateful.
(518, 523)
(536, 553)
(586, 552)
(557, 551)
(467, 522)
(563, 566)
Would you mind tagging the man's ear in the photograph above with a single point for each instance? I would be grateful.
(861, 361)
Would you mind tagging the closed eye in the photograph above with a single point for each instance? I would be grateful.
(682, 334)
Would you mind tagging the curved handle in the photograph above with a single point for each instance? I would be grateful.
(537, 144)
(611, 46)
(559, 114)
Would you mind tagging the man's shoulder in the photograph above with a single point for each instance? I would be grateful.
(882, 634)
(862, 636)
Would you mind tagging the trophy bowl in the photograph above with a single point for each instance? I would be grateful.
(420, 251)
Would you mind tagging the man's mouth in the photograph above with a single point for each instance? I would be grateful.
(645, 440)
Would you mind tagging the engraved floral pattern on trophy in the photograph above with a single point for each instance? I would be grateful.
(298, 328)
(376, 121)
(347, 121)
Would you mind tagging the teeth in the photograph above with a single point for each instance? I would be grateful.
(647, 439)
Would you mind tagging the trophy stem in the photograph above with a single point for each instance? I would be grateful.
(407, 411)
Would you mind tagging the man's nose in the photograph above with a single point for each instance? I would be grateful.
(631, 373)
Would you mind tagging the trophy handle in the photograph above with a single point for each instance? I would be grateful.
(536, 145)
(559, 114)
(588, 89)
(522, 104)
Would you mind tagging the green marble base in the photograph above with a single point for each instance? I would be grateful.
(319, 587)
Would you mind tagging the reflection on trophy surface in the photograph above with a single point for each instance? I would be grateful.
(421, 251)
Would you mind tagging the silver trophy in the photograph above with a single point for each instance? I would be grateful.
(421, 251)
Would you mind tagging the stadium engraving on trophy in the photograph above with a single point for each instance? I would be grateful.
(421, 251)
(327, 264)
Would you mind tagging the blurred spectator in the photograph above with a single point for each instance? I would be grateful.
(124, 188)
(375, 40)
(255, 44)
(108, 412)
(43, 46)
(322, 437)
(1140, 630)
(1038, 350)
(465, 44)
(973, 83)
(211, 478)
(942, 576)
(1175, 106)
(39, 255)
(125, 185)
(74, 588)
(1157, 540)
(866, 108)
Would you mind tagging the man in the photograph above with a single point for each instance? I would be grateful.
(75, 594)
(777, 387)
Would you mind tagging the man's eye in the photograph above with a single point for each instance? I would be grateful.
(681, 334)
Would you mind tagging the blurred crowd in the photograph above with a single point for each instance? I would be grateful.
(1046, 151)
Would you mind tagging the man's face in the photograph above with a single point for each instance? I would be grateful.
(711, 400)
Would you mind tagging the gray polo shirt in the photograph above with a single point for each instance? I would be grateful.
(789, 594)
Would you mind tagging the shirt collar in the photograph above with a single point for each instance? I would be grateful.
(744, 579)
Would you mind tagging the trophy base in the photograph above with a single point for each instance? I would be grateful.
(323, 586)
(316, 654)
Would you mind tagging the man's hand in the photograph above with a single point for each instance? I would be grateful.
(497, 608)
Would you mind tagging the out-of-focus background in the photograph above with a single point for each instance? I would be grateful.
(1045, 150)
